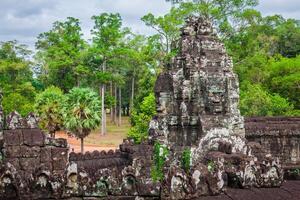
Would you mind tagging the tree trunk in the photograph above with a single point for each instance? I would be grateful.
(81, 145)
(111, 107)
(132, 93)
(116, 105)
(78, 81)
(103, 119)
(120, 107)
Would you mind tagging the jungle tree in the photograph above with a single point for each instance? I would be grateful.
(107, 33)
(60, 51)
(82, 112)
(16, 78)
(49, 108)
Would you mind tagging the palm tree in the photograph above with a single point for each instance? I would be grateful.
(49, 107)
(81, 112)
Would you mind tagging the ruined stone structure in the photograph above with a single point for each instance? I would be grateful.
(278, 136)
(34, 166)
(197, 105)
(197, 101)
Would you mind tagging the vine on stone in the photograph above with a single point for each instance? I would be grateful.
(159, 157)
(186, 160)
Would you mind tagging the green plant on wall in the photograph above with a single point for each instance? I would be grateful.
(186, 160)
(295, 172)
(159, 158)
(211, 166)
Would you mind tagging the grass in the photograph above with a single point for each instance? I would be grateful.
(115, 134)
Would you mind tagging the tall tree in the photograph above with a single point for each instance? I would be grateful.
(223, 13)
(60, 54)
(107, 33)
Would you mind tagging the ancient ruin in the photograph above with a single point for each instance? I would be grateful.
(206, 146)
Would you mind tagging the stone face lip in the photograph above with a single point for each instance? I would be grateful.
(197, 104)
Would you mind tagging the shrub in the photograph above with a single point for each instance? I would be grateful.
(140, 120)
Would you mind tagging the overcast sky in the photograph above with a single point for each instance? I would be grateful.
(23, 20)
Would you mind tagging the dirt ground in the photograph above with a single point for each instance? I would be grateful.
(95, 141)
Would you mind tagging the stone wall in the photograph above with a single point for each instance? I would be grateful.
(37, 167)
(33, 165)
(115, 174)
(279, 136)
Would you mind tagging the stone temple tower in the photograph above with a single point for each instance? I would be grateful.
(197, 101)
(199, 95)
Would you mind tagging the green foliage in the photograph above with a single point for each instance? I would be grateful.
(106, 31)
(186, 160)
(16, 101)
(49, 108)
(167, 26)
(211, 166)
(284, 78)
(60, 54)
(268, 35)
(269, 85)
(82, 111)
(295, 172)
(109, 100)
(255, 101)
(159, 158)
(221, 12)
(140, 120)
(16, 78)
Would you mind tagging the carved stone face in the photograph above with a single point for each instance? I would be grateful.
(216, 95)
(163, 102)
(215, 102)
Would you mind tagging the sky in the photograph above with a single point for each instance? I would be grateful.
(24, 20)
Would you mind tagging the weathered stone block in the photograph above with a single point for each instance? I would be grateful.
(14, 161)
(59, 158)
(12, 152)
(12, 137)
(46, 154)
(46, 166)
(33, 137)
(27, 137)
(29, 164)
(37, 137)
(29, 152)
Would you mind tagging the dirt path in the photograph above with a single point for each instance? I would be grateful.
(95, 141)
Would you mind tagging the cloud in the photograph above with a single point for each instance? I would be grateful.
(286, 8)
(25, 19)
